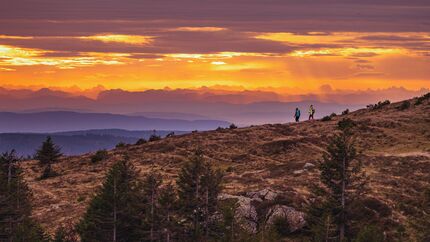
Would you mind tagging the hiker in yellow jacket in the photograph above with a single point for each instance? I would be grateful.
(311, 112)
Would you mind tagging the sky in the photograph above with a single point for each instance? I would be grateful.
(285, 46)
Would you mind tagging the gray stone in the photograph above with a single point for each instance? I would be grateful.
(296, 219)
(265, 194)
(298, 172)
(308, 166)
(246, 213)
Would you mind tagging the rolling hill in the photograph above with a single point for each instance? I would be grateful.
(75, 142)
(72, 121)
(394, 147)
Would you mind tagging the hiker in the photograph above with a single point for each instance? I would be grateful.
(297, 115)
(311, 112)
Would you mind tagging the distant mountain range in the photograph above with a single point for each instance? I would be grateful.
(75, 142)
(71, 121)
(240, 107)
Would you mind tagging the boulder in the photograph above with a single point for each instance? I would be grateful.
(296, 219)
(246, 212)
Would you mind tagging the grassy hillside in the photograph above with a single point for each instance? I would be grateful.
(394, 146)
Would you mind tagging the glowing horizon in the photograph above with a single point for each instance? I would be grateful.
(254, 53)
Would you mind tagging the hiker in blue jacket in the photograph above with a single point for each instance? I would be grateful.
(297, 115)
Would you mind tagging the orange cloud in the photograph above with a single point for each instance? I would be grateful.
(199, 29)
(119, 38)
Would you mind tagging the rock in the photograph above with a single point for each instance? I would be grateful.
(298, 172)
(245, 213)
(265, 194)
(308, 166)
(296, 219)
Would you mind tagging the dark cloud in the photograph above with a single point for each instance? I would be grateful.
(164, 42)
(242, 19)
(91, 16)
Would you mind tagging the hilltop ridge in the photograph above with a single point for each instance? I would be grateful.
(394, 146)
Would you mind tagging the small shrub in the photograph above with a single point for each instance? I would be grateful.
(154, 138)
(233, 126)
(345, 112)
(332, 115)
(171, 134)
(120, 145)
(229, 169)
(141, 141)
(219, 128)
(346, 123)
(100, 155)
(66, 234)
(405, 105)
(421, 99)
(81, 199)
(48, 173)
(427, 195)
(326, 118)
(370, 233)
(380, 104)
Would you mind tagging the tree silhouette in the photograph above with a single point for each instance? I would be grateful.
(342, 183)
(198, 189)
(150, 191)
(47, 154)
(15, 209)
(113, 213)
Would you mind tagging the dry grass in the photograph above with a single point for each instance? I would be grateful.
(395, 146)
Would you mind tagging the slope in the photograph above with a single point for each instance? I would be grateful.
(394, 145)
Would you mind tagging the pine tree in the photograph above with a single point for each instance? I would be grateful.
(168, 219)
(15, 208)
(113, 214)
(342, 183)
(48, 154)
(198, 189)
(150, 191)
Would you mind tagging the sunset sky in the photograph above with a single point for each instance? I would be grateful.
(279, 45)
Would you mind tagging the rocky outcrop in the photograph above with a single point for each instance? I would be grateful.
(295, 219)
(249, 215)
(245, 213)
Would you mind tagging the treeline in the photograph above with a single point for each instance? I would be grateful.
(127, 208)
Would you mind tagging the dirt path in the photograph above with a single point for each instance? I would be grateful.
(406, 154)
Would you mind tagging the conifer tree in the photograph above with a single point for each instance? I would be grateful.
(150, 193)
(113, 214)
(48, 154)
(15, 208)
(168, 219)
(342, 183)
(198, 189)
